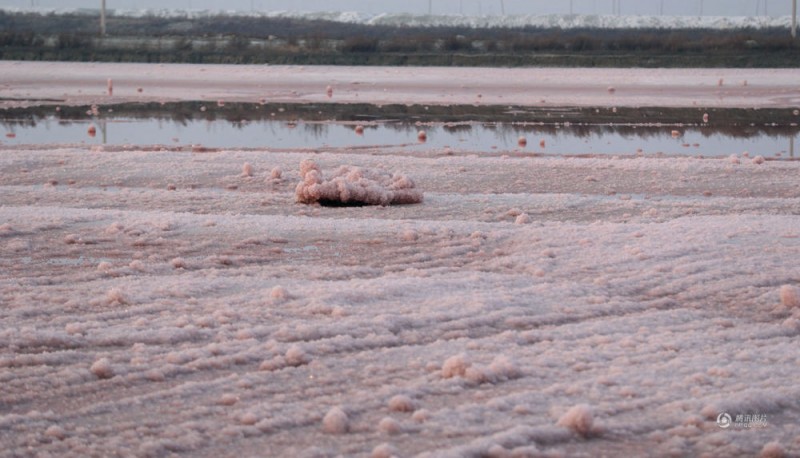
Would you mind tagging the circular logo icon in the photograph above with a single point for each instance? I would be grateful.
(724, 420)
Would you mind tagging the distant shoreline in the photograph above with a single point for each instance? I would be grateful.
(402, 40)
(512, 21)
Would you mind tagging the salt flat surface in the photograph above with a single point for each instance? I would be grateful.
(86, 83)
(159, 303)
(221, 316)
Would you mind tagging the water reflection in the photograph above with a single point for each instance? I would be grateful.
(279, 128)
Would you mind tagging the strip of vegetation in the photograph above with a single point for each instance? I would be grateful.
(742, 122)
(260, 40)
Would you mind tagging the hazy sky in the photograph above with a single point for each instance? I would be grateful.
(470, 7)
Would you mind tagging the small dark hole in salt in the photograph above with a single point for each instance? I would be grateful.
(339, 203)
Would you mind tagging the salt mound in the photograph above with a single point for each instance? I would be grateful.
(336, 421)
(772, 450)
(579, 418)
(102, 368)
(790, 296)
(355, 186)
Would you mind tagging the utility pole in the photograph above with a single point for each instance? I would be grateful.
(430, 7)
(502, 7)
(794, 19)
(102, 18)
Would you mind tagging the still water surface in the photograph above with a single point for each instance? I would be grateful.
(475, 136)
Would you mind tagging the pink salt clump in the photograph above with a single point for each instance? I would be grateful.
(401, 403)
(296, 356)
(354, 186)
(455, 366)
(102, 368)
(279, 293)
(336, 421)
(790, 296)
(504, 367)
(421, 416)
(758, 160)
(276, 173)
(501, 369)
(228, 399)
(384, 451)
(409, 235)
(389, 425)
(116, 296)
(579, 419)
(772, 450)
(247, 170)
(56, 432)
(249, 419)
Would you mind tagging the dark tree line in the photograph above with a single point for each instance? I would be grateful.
(232, 39)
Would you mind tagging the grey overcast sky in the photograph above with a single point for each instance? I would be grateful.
(468, 7)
